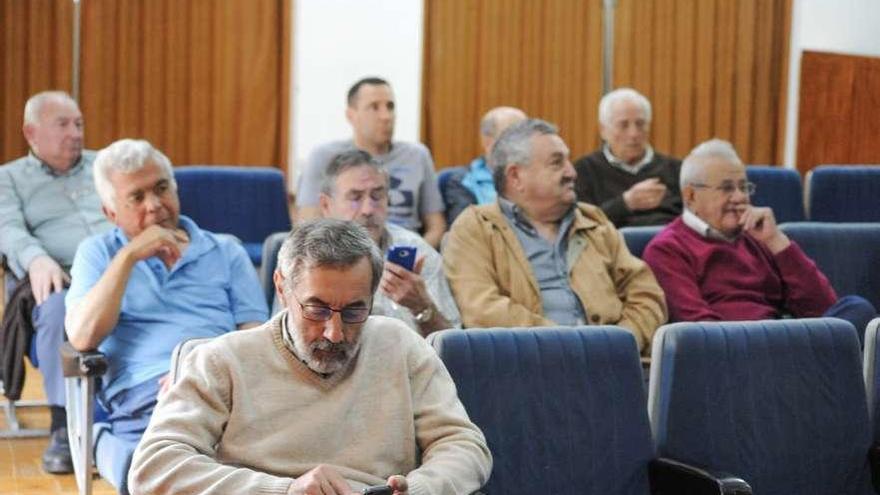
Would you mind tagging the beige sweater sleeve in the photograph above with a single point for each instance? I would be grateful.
(455, 457)
(177, 453)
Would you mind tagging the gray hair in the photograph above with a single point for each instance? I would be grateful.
(327, 242)
(514, 145)
(127, 156)
(346, 161)
(692, 169)
(622, 94)
(34, 106)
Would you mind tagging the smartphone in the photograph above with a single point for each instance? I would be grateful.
(377, 490)
(404, 256)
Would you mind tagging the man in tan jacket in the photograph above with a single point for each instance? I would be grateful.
(537, 257)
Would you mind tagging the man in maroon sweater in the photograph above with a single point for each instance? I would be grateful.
(724, 259)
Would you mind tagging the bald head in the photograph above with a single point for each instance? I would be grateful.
(495, 122)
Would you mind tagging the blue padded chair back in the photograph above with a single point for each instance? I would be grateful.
(563, 409)
(838, 193)
(247, 202)
(871, 362)
(847, 253)
(779, 188)
(271, 246)
(779, 403)
(637, 238)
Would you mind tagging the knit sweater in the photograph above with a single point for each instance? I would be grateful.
(603, 185)
(709, 279)
(247, 416)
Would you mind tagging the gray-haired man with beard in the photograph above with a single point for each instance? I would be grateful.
(322, 399)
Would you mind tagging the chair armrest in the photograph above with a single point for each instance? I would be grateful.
(874, 460)
(671, 477)
(88, 363)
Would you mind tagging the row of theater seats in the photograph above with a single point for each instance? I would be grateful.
(768, 407)
(833, 193)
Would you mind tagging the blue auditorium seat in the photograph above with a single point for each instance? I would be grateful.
(637, 238)
(844, 193)
(780, 403)
(563, 410)
(271, 246)
(847, 253)
(247, 202)
(779, 188)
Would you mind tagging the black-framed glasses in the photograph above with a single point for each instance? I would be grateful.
(322, 312)
(729, 187)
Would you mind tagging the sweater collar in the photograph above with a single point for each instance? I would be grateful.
(622, 165)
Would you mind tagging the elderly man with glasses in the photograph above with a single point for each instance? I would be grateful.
(724, 259)
(321, 399)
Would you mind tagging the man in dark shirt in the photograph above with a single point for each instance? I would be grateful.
(625, 177)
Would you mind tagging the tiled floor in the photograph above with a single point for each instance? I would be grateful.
(20, 471)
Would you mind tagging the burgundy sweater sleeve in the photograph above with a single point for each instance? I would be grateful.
(808, 293)
(677, 275)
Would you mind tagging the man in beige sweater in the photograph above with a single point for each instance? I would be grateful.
(322, 399)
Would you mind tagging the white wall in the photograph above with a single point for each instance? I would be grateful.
(335, 43)
(841, 26)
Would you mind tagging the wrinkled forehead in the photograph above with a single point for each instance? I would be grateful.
(627, 109)
(360, 178)
(718, 169)
(58, 107)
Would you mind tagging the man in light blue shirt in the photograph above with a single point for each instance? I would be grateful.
(150, 283)
(48, 205)
(474, 185)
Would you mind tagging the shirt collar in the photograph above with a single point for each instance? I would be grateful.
(516, 214)
(621, 165)
(46, 168)
(700, 226)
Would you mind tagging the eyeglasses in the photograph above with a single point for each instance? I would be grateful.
(322, 312)
(728, 187)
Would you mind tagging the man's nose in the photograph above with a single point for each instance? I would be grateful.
(333, 328)
(153, 202)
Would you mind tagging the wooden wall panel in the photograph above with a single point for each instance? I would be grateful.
(35, 55)
(483, 53)
(710, 68)
(204, 81)
(839, 104)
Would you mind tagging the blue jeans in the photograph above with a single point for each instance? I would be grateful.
(48, 320)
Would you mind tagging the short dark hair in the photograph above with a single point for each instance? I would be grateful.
(345, 161)
(372, 81)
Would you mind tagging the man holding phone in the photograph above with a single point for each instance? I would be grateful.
(413, 286)
(724, 259)
(324, 398)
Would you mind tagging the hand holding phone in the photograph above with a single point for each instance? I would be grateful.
(377, 490)
(404, 256)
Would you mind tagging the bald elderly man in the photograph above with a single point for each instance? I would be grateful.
(474, 185)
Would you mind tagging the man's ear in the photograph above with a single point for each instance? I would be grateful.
(110, 214)
(324, 204)
(29, 131)
(513, 177)
(349, 115)
(687, 195)
(278, 280)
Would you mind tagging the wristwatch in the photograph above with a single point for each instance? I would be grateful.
(425, 315)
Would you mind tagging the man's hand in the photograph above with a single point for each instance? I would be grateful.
(158, 241)
(322, 480)
(398, 484)
(405, 287)
(46, 277)
(761, 225)
(645, 195)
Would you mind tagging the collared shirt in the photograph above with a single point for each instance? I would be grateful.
(622, 165)
(479, 181)
(700, 226)
(432, 273)
(211, 289)
(43, 212)
(549, 263)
